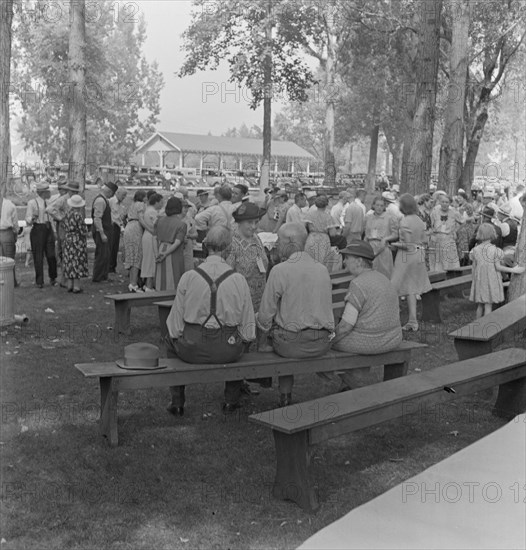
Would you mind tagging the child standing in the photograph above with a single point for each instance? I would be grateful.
(487, 288)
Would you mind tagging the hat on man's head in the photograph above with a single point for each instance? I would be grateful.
(504, 209)
(242, 187)
(72, 186)
(488, 212)
(388, 196)
(360, 249)
(202, 192)
(112, 186)
(310, 194)
(488, 194)
(141, 356)
(248, 211)
(41, 187)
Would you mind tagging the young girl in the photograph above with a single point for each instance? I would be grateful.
(487, 288)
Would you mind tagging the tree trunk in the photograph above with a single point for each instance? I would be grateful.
(473, 144)
(397, 163)
(420, 154)
(518, 282)
(351, 154)
(330, 159)
(451, 150)
(6, 20)
(267, 106)
(373, 155)
(77, 75)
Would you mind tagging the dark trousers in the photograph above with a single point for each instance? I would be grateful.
(8, 245)
(43, 244)
(114, 252)
(101, 267)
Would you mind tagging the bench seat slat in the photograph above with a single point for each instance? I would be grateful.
(367, 400)
(465, 280)
(141, 296)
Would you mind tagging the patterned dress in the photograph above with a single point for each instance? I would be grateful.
(74, 251)
(244, 257)
(133, 236)
(443, 255)
(318, 244)
(376, 228)
(486, 287)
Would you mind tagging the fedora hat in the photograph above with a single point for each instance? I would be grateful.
(41, 187)
(388, 196)
(248, 211)
(488, 212)
(202, 192)
(361, 249)
(112, 186)
(141, 356)
(72, 186)
(76, 201)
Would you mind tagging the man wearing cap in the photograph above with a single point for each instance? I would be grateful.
(102, 230)
(118, 214)
(508, 226)
(296, 307)
(220, 214)
(41, 236)
(370, 322)
(8, 229)
(202, 197)
(212, 317)
(487, 216)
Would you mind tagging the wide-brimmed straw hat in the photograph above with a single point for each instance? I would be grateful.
(361, 249)
(141, 356)
(76, 201)
(248, 211)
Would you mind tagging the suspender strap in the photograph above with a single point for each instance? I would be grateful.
(214, 285)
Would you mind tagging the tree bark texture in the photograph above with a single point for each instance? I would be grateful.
(6, 21)
(373, 156)
(267, 106)
(518, 281)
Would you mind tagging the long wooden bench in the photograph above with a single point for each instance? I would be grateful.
(298, 428)
(113, 379)
(124, 303)
(485, 334)
(464, 270)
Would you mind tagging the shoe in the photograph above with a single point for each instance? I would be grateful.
(146, 289)
(285, 399)
(53, 282)
(230, 407)
(40, 286)
(77, 290)
(176, 411)
(62, 285)
(133, 288)
(410, 327)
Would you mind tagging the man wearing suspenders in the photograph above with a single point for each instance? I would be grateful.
(102, 230)
(212, 318)
(41, 236)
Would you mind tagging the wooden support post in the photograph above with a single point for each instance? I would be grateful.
(108, 411)
(122, 318)
(395, 370)
(511, 399)
(466, 349)
(431, 307)
(292, 470)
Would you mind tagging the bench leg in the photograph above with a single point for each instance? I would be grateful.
(292, 470)
(122, 318)
(395, 370)
(108, 411)
(431, 307)
(511, 399)
(163, 315)
(466, 349)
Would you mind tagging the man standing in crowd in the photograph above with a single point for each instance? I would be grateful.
(202, 197)
(220, 214)
(8, 230)
(354, 219)
(239, 193)
(296, 307)
(41, 236)
(102, 230)
(338, 209)
(295, 213)
(212, 318)
(117, 217)
(517, 210)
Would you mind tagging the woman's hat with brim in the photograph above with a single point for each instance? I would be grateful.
(141, 356)
(248, 211)
(76, 201)
(360, 249)
(388, 196)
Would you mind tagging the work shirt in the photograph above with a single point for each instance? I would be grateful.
(36, 208)
(295, 215)
(517, 211)
(220, 214)
(297, 296)
(8, 216)
(58, 208)
(192, 301)
(337, 212)
(98, 210)
(355, 220)
(117, 210)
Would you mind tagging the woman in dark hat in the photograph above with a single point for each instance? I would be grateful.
(171, 232)
(247, 255)
(321, 226)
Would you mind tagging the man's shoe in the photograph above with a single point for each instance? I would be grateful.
(40, 286)
(285, 399)
(230, 407)
(176, 411)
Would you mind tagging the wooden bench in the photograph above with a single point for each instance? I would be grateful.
(431, 299)
(298, 428)
(485, 334)
(124, 303)
(113, 379)
(341, 279)
(464, 270)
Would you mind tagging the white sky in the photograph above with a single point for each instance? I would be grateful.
(184, 107)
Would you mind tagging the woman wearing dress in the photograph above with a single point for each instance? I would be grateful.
(149, 240)
(171, 232)
(191, 236)
(321, 226)
(75, 251)
(132, 238)
(410, 276)
(247, 255)
(445, 220)
(379, 227)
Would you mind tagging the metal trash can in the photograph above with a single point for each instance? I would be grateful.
(7, 291)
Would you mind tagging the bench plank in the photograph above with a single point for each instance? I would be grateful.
(431, 299)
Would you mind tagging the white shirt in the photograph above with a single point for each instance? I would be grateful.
(517, 211)
(9, 216)
(362, 205)
(36, 207)
(220, 214)
(295, 215)
(337, 212)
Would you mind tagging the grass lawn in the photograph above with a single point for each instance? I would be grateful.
(199, 482)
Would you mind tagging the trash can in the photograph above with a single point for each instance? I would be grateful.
(7, 291)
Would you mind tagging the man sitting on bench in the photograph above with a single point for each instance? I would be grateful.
(296, 305)
(212, 318)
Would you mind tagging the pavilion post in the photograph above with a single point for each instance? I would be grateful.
(292, 166)
(143, 160)
(308, 168)
(180, 159)
(161, 159)
(201, 164)
(240, 164)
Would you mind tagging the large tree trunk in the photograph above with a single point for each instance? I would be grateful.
(267, 106)
(420, 154)
(6, 20)
(77, 75)
(451, 150)
(518, 282)
(473, 144)
(330, 68)
(395, 147)
(373, 156)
